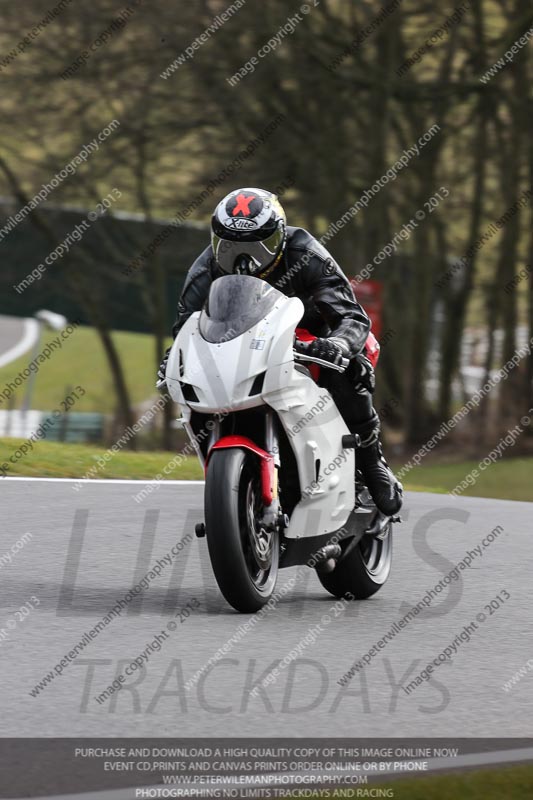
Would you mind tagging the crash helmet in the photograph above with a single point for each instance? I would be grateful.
(248, 232)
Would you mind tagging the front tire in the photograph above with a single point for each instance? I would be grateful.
(363, 571)
(243, 555)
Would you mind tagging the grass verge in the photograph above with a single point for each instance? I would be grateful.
(81, 360)
(57, 460)
(510, 783)
(509, 479)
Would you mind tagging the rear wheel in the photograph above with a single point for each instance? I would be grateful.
(244, 555)
(363, 570)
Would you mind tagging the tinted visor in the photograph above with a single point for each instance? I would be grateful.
(261, 254)
(235, 304)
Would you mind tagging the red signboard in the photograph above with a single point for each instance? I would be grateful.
(370, 295)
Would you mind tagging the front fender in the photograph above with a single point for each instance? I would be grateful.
(266, 462)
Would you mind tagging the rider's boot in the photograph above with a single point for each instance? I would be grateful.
(385, 489)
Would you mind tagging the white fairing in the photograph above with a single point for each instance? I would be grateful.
(222, 376)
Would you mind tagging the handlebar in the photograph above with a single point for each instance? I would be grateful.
(322, 361)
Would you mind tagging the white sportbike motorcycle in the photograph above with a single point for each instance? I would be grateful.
(281, 486)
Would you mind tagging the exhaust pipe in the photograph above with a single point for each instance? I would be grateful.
(327, 557)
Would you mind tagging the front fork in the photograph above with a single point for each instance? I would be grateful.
(271, 516)
(271, 519)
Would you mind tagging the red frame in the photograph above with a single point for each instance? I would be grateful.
(372, 349)
(267, 467)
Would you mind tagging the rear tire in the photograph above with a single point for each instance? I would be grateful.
(363, 571)
(243, 555)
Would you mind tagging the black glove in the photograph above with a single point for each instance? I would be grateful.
(364, 372)
(333, 350)
(162, 371)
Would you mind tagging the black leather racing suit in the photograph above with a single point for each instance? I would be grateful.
(307, 271)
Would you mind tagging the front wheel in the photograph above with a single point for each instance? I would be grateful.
(363, 570)
(244, 555)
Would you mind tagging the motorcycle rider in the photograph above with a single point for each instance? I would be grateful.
(249, 234)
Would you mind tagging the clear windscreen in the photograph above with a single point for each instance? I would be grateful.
(235, 304)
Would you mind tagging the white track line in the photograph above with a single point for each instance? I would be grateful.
(435, 765)
(106, 481)
(29, 337)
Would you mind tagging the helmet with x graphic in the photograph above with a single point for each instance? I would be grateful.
(248, 232)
